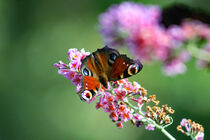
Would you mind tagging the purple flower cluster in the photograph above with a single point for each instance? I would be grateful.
(192, 129)
(122, 100)
(72, 70)
(137, 26)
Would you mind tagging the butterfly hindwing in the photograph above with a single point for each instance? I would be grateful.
(90, 87)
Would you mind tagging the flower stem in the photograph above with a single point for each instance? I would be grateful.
(167, 134)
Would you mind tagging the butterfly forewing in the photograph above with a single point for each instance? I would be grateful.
(124, 67)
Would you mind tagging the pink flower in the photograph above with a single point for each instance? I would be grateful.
(138, 117)
(121, 21)
(137, 26)
(113, 115)
(183, 122)
(110, 98)
(192, 29)
(126, 115)
(99, 105)
(75, 65)
(184, 56)
(111, 107)
(151, 43)
(119, 124)
(139, 100)
(79, 86)
(136, 87)
(122, 108)
(63, 71)
(61, 65)
(199, 136)
(120, 94)
(83, 54)
(69, 74)
(150, 127)
(73, 54)
(77, 79)
(176, 33)
(174, 67)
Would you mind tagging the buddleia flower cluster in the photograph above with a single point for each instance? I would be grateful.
(192, 129)
(122, 100)
(138, 27)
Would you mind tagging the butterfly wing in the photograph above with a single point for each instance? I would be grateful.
(120, 66)
(90, 86)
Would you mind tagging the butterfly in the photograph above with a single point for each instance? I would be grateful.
(102, 66)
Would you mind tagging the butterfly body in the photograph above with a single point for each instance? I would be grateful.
(105, 65)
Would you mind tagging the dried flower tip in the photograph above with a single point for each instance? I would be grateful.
(170, 110)
(189, 121)
(179, 128)
(145, 100)
(152, 97)
(165, 108)
(201, 128)
(155, 108)
(147, 115)
(162, 115)
(144, 91)
(167, 120)
(149, 109)
(156, 102)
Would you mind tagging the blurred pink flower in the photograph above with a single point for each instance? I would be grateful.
(174, 67)
(137, 26)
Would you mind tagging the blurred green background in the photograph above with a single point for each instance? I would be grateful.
(36, 103)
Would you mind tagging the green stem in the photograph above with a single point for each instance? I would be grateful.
(167, 134)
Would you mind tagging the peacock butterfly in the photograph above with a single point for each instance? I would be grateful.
(105, 65)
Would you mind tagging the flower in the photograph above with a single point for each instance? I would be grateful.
(199, 136)
(174, 67)
(116, 99)
(150, 127)
(120, 22)
(119, 125)
(195, 130)
(72, 70)
(137, 26)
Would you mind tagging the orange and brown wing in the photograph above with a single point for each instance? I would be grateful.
(124, 67)
(90, 86)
